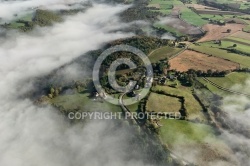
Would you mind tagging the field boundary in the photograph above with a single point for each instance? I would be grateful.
(225, 89)
(236, 41)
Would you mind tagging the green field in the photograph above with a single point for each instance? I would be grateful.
(236, 39)
(166, 6)
(229, 44)
(15, 25)
(207, 48)
(230, 80)
(166, 3)
(184, 137)
(247, 29)
(162, 53)
(182, 132)
(162, 103)
(191, 17)
(133, 107)
(193, 107)
(174, 31)
(245, 5)
(82, 101)
(213, 88)
(215, 17)
(27, 17)
(240, 47)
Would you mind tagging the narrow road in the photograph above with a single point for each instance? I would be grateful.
(126, 110)
(175, 55)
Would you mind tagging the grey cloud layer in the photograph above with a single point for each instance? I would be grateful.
(39, 136)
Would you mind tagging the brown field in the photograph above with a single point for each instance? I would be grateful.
(242, 35)
(198, 61)
(198, 6)
(217, 32)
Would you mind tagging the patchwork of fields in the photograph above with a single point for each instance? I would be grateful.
(207, 48)
(225, 46)
(196, 15)
(193, 107)
(201, 51)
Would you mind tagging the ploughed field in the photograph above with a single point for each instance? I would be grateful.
(198, 61)
(217, 32)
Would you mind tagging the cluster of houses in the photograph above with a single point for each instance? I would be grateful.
(164, 79)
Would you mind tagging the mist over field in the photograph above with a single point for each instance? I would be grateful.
(9, 8)
(234, 131)
(238, 136)
(43, 136)
(31, 135)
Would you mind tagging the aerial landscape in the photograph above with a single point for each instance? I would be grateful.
(125, 82)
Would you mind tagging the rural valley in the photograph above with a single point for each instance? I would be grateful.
(189, 105)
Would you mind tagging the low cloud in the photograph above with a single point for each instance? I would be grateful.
(40, 136)
(9, 8)
(45, 49)
(231, 146)
(238, 115)
(31, 135)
